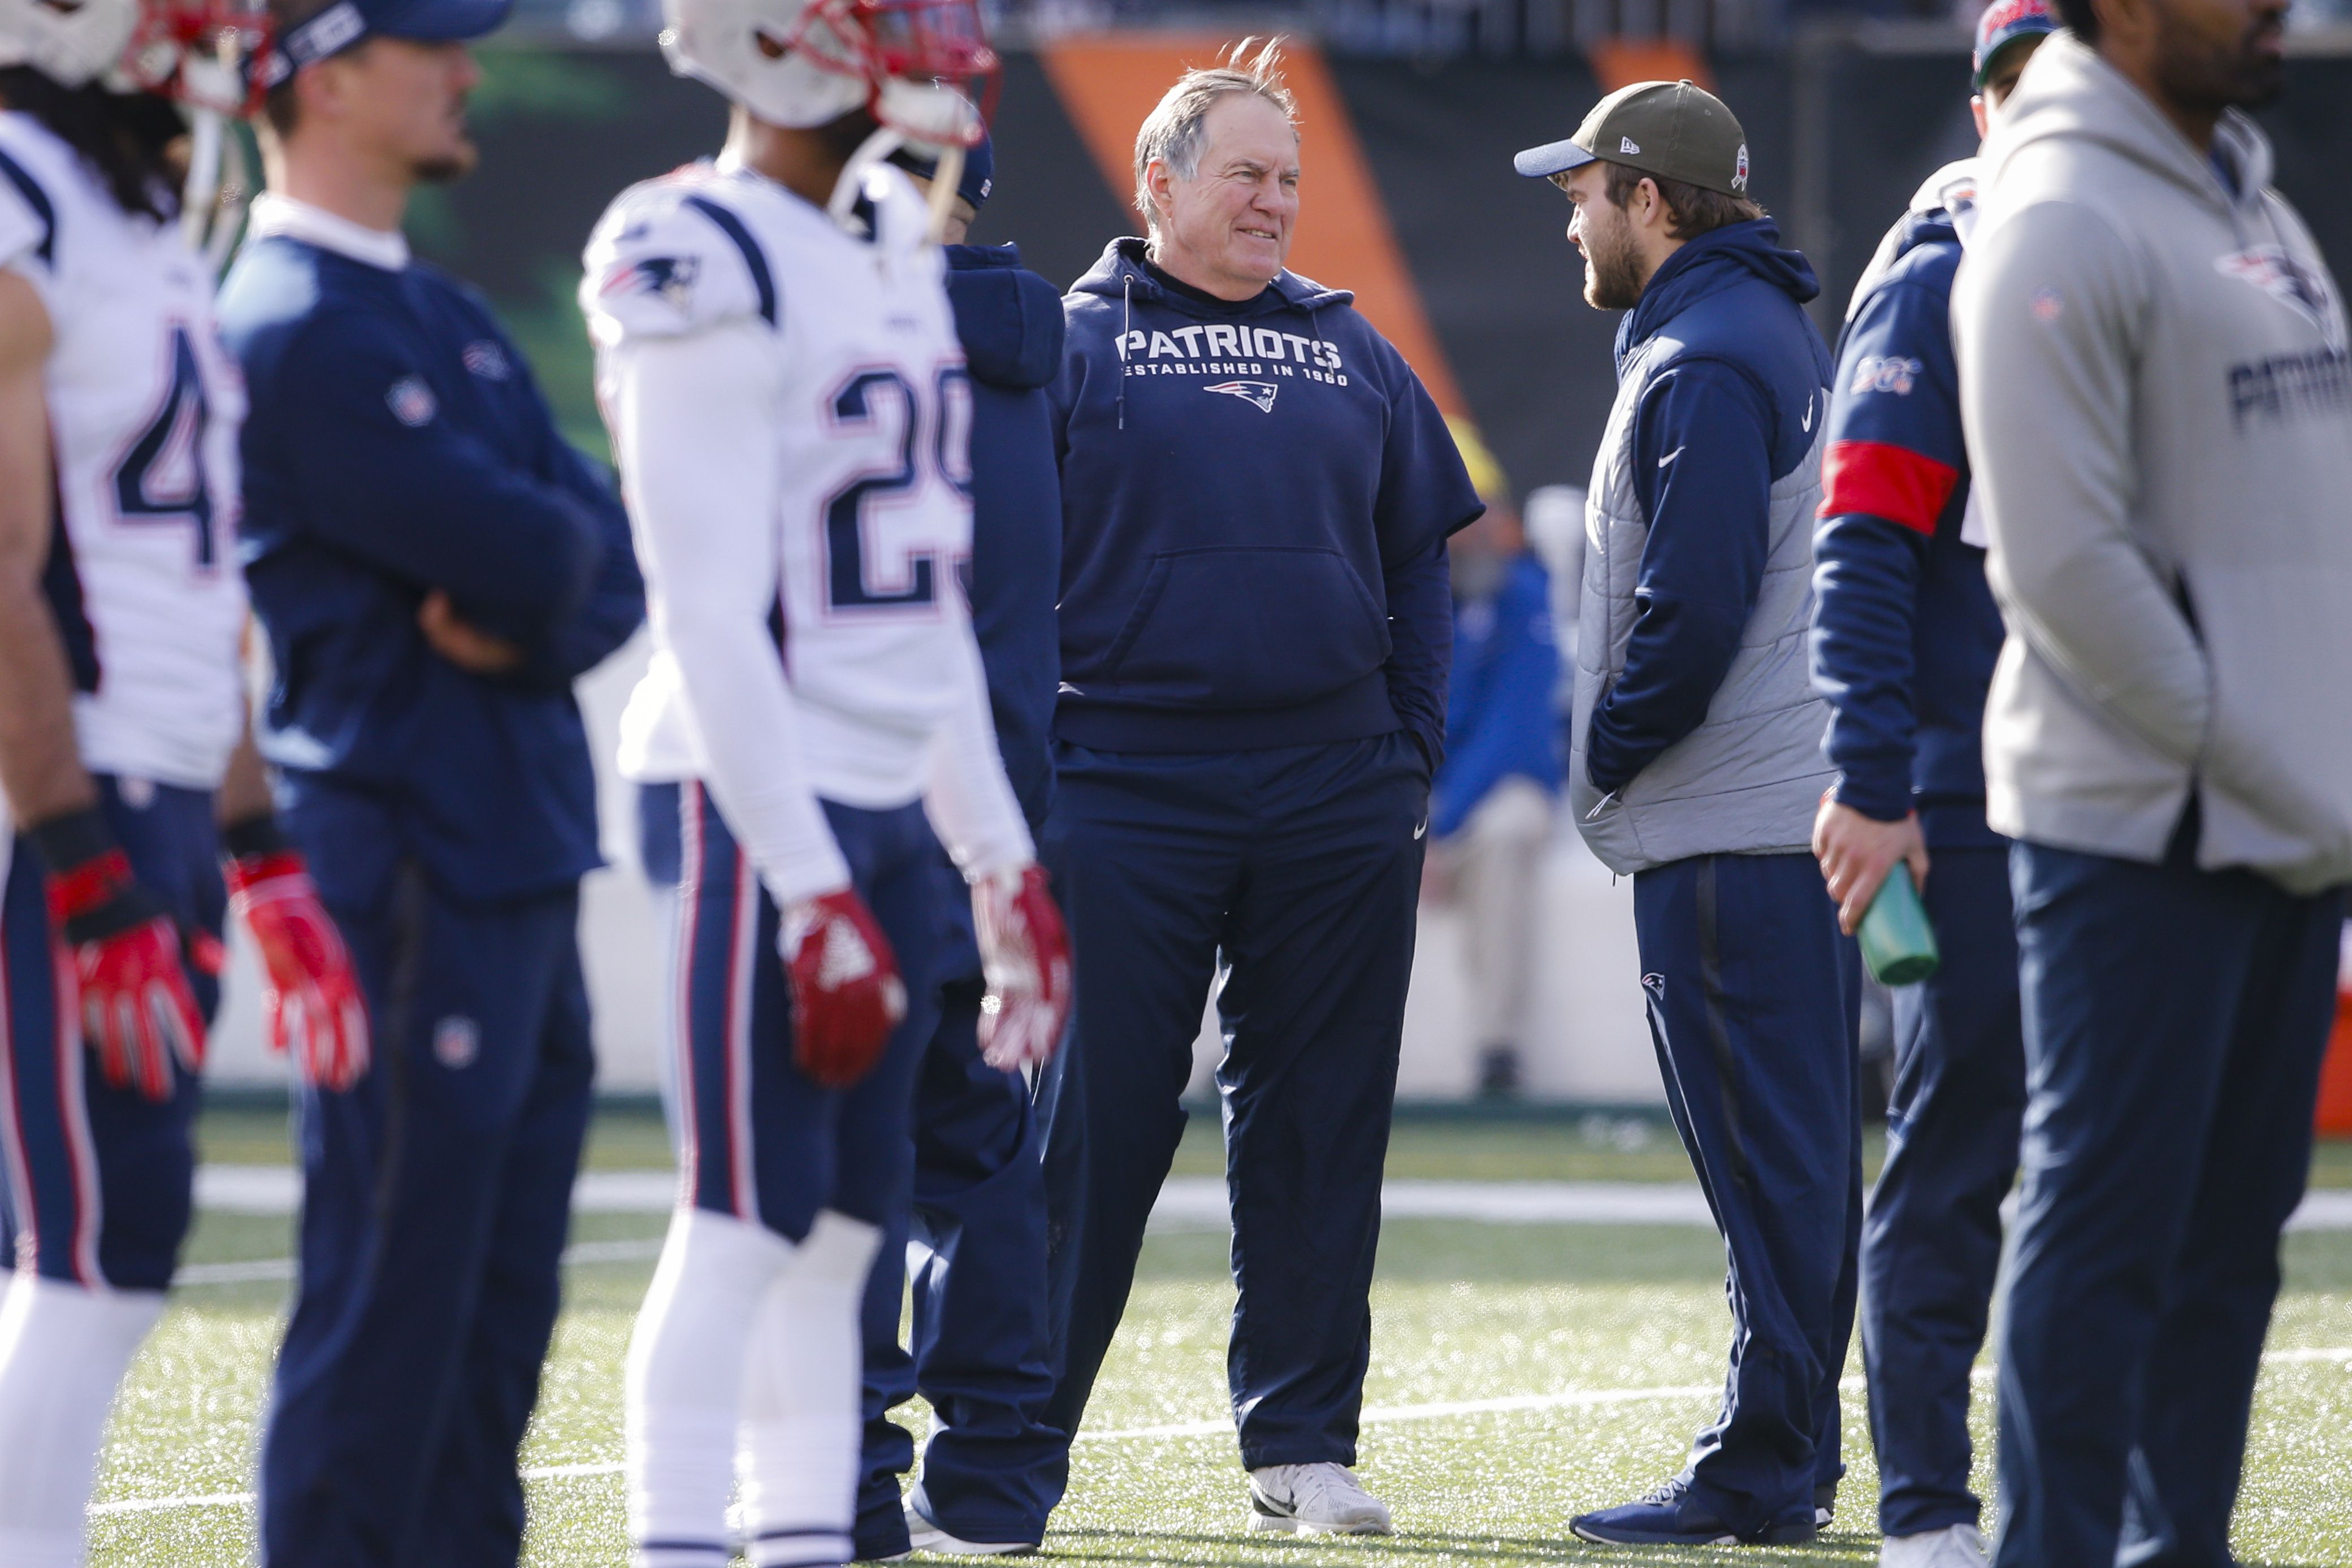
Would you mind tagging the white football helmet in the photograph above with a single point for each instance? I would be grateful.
(923, 68)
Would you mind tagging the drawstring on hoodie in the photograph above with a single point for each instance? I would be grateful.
(1126, 324)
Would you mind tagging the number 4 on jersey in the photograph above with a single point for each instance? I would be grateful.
(172, 447)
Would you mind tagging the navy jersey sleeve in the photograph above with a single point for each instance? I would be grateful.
(381, 475)
(1420, 596)
(1425, 496)
(1895, 459)
(1703, 473)
(614, 606)
(1425, 492)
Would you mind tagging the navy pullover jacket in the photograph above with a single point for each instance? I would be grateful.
(1905, 630)
(396, 444)
(1500, 721)
(1255, 518)
(1732, 407)
(1010, 321)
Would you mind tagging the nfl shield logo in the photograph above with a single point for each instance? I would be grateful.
(1739, 170)
(411, 401)
(455, 1043)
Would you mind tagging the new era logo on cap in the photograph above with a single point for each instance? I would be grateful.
(1627, 144)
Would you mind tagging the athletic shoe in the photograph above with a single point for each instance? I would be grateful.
(1667, 1517)
(1956, 1546)
(1315, 1499)
(928, 1537)
(1824, 1507)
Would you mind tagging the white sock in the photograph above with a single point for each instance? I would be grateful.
(801, 1415)
(63, 1352)
(684, 1386)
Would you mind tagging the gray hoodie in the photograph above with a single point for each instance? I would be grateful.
(2158, 404)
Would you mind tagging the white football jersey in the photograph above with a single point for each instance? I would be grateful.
(870, 471)
(145, 407)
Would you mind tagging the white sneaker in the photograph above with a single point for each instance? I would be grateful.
(927, 1536)
(1315, 1499)
(1956, 1546)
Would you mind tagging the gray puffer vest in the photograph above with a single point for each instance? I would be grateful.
(1748, 779)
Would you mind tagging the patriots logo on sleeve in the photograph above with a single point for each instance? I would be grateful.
(667, 278)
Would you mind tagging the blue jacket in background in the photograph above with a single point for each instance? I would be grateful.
(1500, 720)
(1256, 500)
(1733, 405)
(1010, 321)
(396, 444)
(1905, 630)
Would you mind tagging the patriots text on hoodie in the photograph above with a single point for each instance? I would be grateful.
(1256, 500)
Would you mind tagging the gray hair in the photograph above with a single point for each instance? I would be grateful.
(1172, 133)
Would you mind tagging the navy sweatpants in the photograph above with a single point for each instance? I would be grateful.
(1754, 1001)
(98, 1178)
(979, 1352)
(1931, 1242)
(1294, 871)
(436, 1200)
(761, 1140)
(2175, 1020)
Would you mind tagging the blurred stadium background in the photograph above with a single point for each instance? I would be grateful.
(1411, 108)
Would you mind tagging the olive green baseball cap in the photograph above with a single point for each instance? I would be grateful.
(1672, 129)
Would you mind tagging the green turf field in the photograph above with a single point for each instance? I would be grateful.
(1464, 1314)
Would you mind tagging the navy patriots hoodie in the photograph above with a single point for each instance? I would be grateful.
(1010, 321)
(1904, 630)
(1256, 500)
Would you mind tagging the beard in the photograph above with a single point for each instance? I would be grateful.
(1613, 270)
(447, 168)
(2212, 79)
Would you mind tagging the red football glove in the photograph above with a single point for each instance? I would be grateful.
(137, 1010)
(1025, 953)
(846, 994)
(311, 994)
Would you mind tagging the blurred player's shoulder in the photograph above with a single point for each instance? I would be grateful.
(712, 243)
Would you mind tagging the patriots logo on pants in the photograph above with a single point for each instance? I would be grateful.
(668, 277)
(1258, 391)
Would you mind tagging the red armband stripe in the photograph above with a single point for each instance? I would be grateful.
(1886, 481)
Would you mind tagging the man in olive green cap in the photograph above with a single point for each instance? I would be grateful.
(1696, 765)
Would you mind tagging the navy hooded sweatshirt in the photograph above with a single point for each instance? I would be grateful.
(1010, 321)
(1256, 500)
(1734, 407)
(1905, 630)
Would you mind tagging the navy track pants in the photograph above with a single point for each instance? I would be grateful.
(98, 1178)
(1931, 1242)
(436, 1200)
(1294, 871)
(1754, 1002)
(981, 1348)
(2175, 1020)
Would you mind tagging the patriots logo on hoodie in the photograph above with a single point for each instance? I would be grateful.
(2269, 269)
(667, 277)
(1258, 391)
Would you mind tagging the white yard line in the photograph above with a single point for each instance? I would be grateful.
(1568, 1399)
(1199, 1203)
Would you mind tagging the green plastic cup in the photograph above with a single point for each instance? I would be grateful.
(1898, 941)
